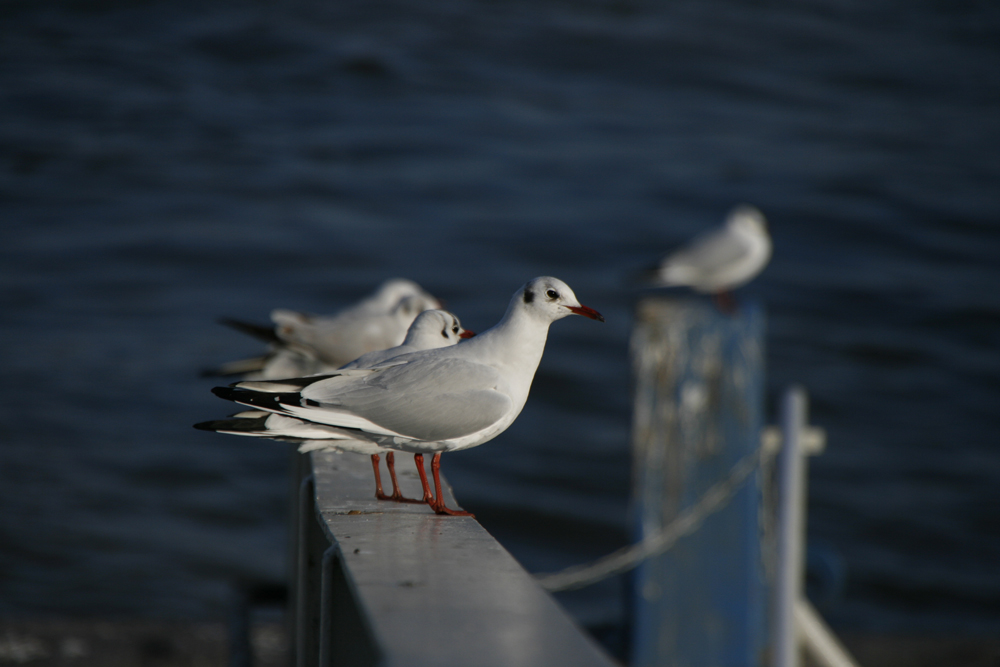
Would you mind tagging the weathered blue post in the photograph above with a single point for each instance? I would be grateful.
(698, 413)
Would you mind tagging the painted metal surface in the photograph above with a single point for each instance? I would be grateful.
(698, 411)
(791, 529)
(383, 583)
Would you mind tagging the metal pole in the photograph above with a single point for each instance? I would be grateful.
(788, 587)
(697, 418)
(818, 640)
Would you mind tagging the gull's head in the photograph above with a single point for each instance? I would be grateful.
(748, 220)
(551, 299)
(393, 292)
(435, 328)
(408, 307)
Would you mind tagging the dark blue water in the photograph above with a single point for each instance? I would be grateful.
(166, 163)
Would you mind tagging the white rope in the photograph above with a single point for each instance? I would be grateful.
(626, 558)
(818, 639)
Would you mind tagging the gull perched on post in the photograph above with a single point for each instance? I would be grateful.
(430, 401)
(722, 260)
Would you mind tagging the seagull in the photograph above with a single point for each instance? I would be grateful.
(303, 344)
(722, 260)
(430, 330)
(429, 401)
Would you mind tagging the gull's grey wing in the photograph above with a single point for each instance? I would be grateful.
(429, 399)
(709, 253)
(341, 338)
(377, 357)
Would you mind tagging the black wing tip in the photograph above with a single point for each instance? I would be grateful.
(266, 400)
(645, 276)
(303, 382)
(260, 331)
(229, 393)
(234, 424)
(234, 393)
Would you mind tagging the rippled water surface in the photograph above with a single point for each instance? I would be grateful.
(166, 163)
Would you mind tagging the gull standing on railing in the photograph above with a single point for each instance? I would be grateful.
(431, 401)
(432, 329)
(302, 344)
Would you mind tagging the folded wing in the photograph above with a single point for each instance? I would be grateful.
(404, 400)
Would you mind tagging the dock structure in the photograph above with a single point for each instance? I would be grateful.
(699, 382)
(718, 534)
(392, 584)
(718, 500)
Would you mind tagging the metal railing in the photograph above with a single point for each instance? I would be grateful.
(797, 625)
(383, 583)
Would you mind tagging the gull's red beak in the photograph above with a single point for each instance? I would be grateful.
(586, 311)
(467, 334)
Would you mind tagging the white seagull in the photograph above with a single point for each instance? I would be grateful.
(432, 329)
(722, 260)
(431, 401)
(303, 344)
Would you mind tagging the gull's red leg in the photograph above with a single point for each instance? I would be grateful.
(428, 496)
(397, 495)
(438, 503)
(725, 302)
(379, 493)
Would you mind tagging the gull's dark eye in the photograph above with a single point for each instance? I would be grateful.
(454, 330)
(552, 294)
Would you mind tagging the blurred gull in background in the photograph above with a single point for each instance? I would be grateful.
(721, 260)
(303, 344)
